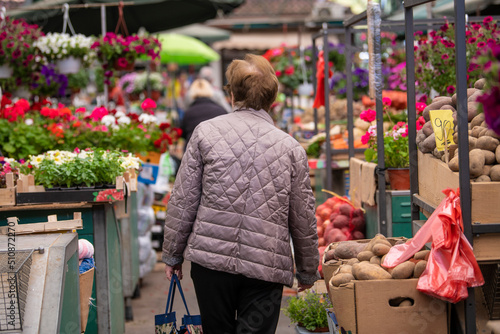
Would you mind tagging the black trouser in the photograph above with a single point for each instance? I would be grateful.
(231, 304)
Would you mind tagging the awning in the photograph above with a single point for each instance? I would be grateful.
(153, 15)
(202, 32)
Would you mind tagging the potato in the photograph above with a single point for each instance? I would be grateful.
(378, 238)
(483, 132)
(484, 125)
(330, 255)
(352, 261)
(483, 178)
(479, 84)
(368, 271)
(453, 163)
(476, 121)
(455, 136)
(403, 270)
(438, 154)
(420, 136)
(476, 162)
(495, 173)
(339, 279)
(365, 256)
(345, 269)
(348, 249)
(472, 143)
(375, 260)
(497, 154)
(419, 268)
(470, 92)
(448, 107)
(476, 130)
(427, 129)
(380, 249)
(487, 143)
(489, 157)
(421, 255)
(406, 302)
(435, 105)
(491, 133)
(473, 97)
(429, 144)
(486, 169)
(451, 150)
(471, 110)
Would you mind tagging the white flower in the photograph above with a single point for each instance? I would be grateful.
(28, 121)
(108, 120)
(124, 120)
(147, 119)
(119, 114)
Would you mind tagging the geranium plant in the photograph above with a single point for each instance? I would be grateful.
(141, 82)
(396, 148)
(56, 46)
(435, 56)
(121, 51)
(308, 310)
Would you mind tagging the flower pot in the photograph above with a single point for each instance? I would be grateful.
(5, 71)
(303, 330)
(69, 65)
(399, 178)
(155, 95)
(134, 97)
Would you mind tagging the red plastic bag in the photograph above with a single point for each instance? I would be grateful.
(451, 267)
(319, 100)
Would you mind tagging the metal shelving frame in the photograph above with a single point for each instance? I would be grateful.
(324, 33)
(463, 145)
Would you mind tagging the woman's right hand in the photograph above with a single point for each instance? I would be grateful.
(171, 270)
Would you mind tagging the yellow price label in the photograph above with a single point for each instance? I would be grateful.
(442, 124)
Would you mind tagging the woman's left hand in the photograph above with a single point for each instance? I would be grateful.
(170, 270)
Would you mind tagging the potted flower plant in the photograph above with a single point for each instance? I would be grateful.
(121, 52)
(66, 50)
(17, 54)
(153, 80)
(308, 311)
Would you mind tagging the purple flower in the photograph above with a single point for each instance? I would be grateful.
(450, 89)
(491, 107)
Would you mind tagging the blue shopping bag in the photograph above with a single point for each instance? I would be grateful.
(166, 323)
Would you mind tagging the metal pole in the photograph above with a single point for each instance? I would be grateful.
(412, 116)
(328, 167)
(382, 210)
(348, 71)
(315, 110)
(463, 146)
(103, 30)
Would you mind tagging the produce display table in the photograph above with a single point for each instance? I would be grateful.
(101, 228)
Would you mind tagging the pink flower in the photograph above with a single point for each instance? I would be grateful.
(81, 109)
(140, 126)
(289, 70)
(16, 54)
(481, 44)
(102, 128)
(445, 57)
(420, 122)
(444, 27)
(76, 150)
(487, 19)
(420, 106)
(148, 104)
(140, 49)
(98, 113)
(472, 40)
(450, 89)
(468, 33)
(122, 62)
(476, 26)
(368, 115)
(386, 101)
(278, 73)
(365, 138)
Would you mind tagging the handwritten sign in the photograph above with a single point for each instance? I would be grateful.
(442, 124)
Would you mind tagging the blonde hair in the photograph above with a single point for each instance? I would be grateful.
(200, 88)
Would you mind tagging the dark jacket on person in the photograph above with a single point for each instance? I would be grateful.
(202, 109)
(241, 193)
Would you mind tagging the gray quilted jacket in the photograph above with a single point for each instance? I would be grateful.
(241, 192)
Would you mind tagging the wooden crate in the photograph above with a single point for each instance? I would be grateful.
(434, 176)
(8, 195)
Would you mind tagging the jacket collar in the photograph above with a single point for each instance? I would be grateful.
(259, 113)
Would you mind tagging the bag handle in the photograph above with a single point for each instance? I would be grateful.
(175, 281)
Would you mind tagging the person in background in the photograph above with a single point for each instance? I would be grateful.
(201, 109)
(218, 96)
(242, 191)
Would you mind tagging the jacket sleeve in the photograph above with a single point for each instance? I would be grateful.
(183, 204)
(302, 222)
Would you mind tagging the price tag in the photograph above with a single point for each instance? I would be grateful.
(442, 124)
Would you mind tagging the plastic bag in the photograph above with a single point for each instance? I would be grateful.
(451, 267)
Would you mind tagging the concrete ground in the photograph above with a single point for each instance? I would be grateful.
(153, 298)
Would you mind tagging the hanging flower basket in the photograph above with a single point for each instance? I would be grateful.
(5, 71)
(69, 65)
(122, 64)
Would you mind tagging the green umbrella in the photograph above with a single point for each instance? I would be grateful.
(185, 50)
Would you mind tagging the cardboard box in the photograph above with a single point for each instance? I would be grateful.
(86, 284)
(435, 176)
(366, 307)
(331, 266)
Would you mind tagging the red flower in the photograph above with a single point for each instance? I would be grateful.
(122, 62)
(487, 20)
(81, 109)
(278, 73)
(16, 54)
(420, 106)
(289, 70)
(23, 104)
(164, 126)
(420, 122)
(472, 40)
(386, 101)
(450, 89)
(445, 57)
(98, 113)
(365, 138)
(148, 104)
(481, 44)
(140, 49)
(77, 124)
